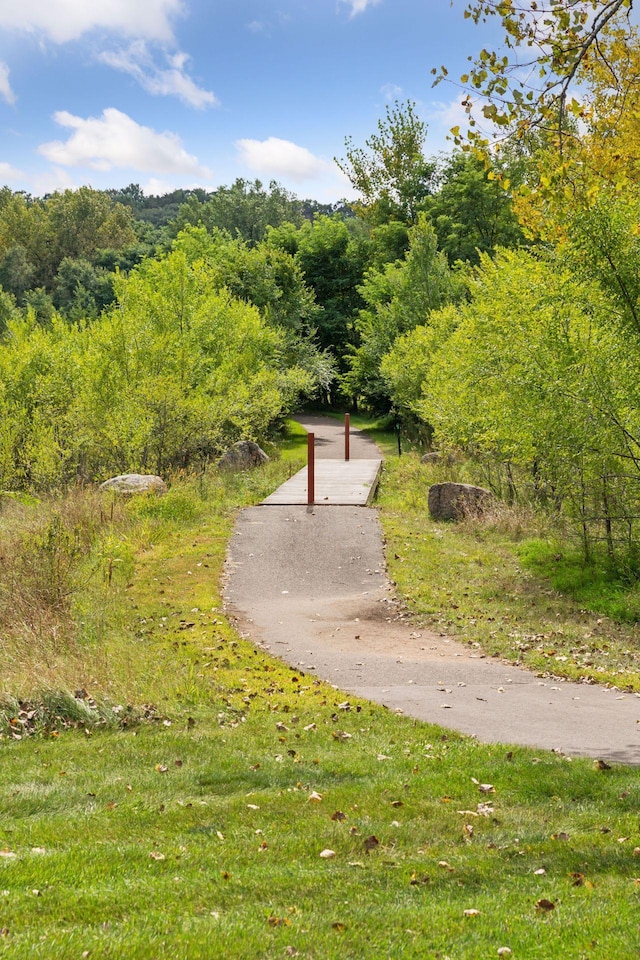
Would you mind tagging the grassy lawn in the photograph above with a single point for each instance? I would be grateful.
(475, 580)
(256, 813)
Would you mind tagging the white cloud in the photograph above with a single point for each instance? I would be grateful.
(54, 180)
(280, 158)
(157, 187)
(451, 114)
(9, 173)
(64, 20)
(359, 6)
(138, 62)
(391, 91)
(5, 87)
(115, 140)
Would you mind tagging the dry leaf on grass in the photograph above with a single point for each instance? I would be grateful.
(545, 905)
(370, 843)
(328, 854)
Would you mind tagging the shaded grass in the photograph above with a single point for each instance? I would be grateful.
(469, 580)
(200, 836)
(599, 584)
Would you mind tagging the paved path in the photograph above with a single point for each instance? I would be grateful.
(310, 585)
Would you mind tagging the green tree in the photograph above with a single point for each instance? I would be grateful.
(391, 172)
(471, 210)
(244, 210)
(398, 298)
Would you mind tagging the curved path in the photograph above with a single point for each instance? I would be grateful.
(310, 585)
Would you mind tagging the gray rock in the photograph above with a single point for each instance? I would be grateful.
(432, 457)
(455, 501)
(135, 483)
(242, 456)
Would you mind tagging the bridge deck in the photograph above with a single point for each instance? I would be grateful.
(337, 483)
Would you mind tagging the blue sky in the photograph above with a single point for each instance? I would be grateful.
(183, 93)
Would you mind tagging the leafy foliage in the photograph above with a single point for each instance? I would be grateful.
(391, 172)
(174, 373)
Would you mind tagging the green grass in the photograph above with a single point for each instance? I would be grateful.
(600, 585)
(471, 580)
(198, 833)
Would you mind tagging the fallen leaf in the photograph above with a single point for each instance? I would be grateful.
(8, 854)
(560, 836)
(315, 796)
(160, 768)
(417, 881)
(252, 806)
(602, 765)
(279, 922)
(327, 854)
(370, 843)
(338, 816)
(504, 952)
(541, 872)
(338, 926)
(472, 913)
(154, 855)
(545, 904)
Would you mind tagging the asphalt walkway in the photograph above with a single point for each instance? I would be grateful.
(310, 586)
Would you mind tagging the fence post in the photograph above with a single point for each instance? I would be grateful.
(311, 469)
(346, 435)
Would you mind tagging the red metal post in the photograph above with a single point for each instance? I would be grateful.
(346, 436)
(311, 468)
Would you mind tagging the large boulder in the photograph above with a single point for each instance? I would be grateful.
(455, 501)
(135, 483)
(432, 457)
(242, 456)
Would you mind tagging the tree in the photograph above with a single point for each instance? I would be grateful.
(558, 38)
(471, 211)
(391, 172)
(84, 221)
(397, 299)
(332, 261)
(244, 210)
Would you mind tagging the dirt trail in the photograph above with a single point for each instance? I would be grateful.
(310, 586)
